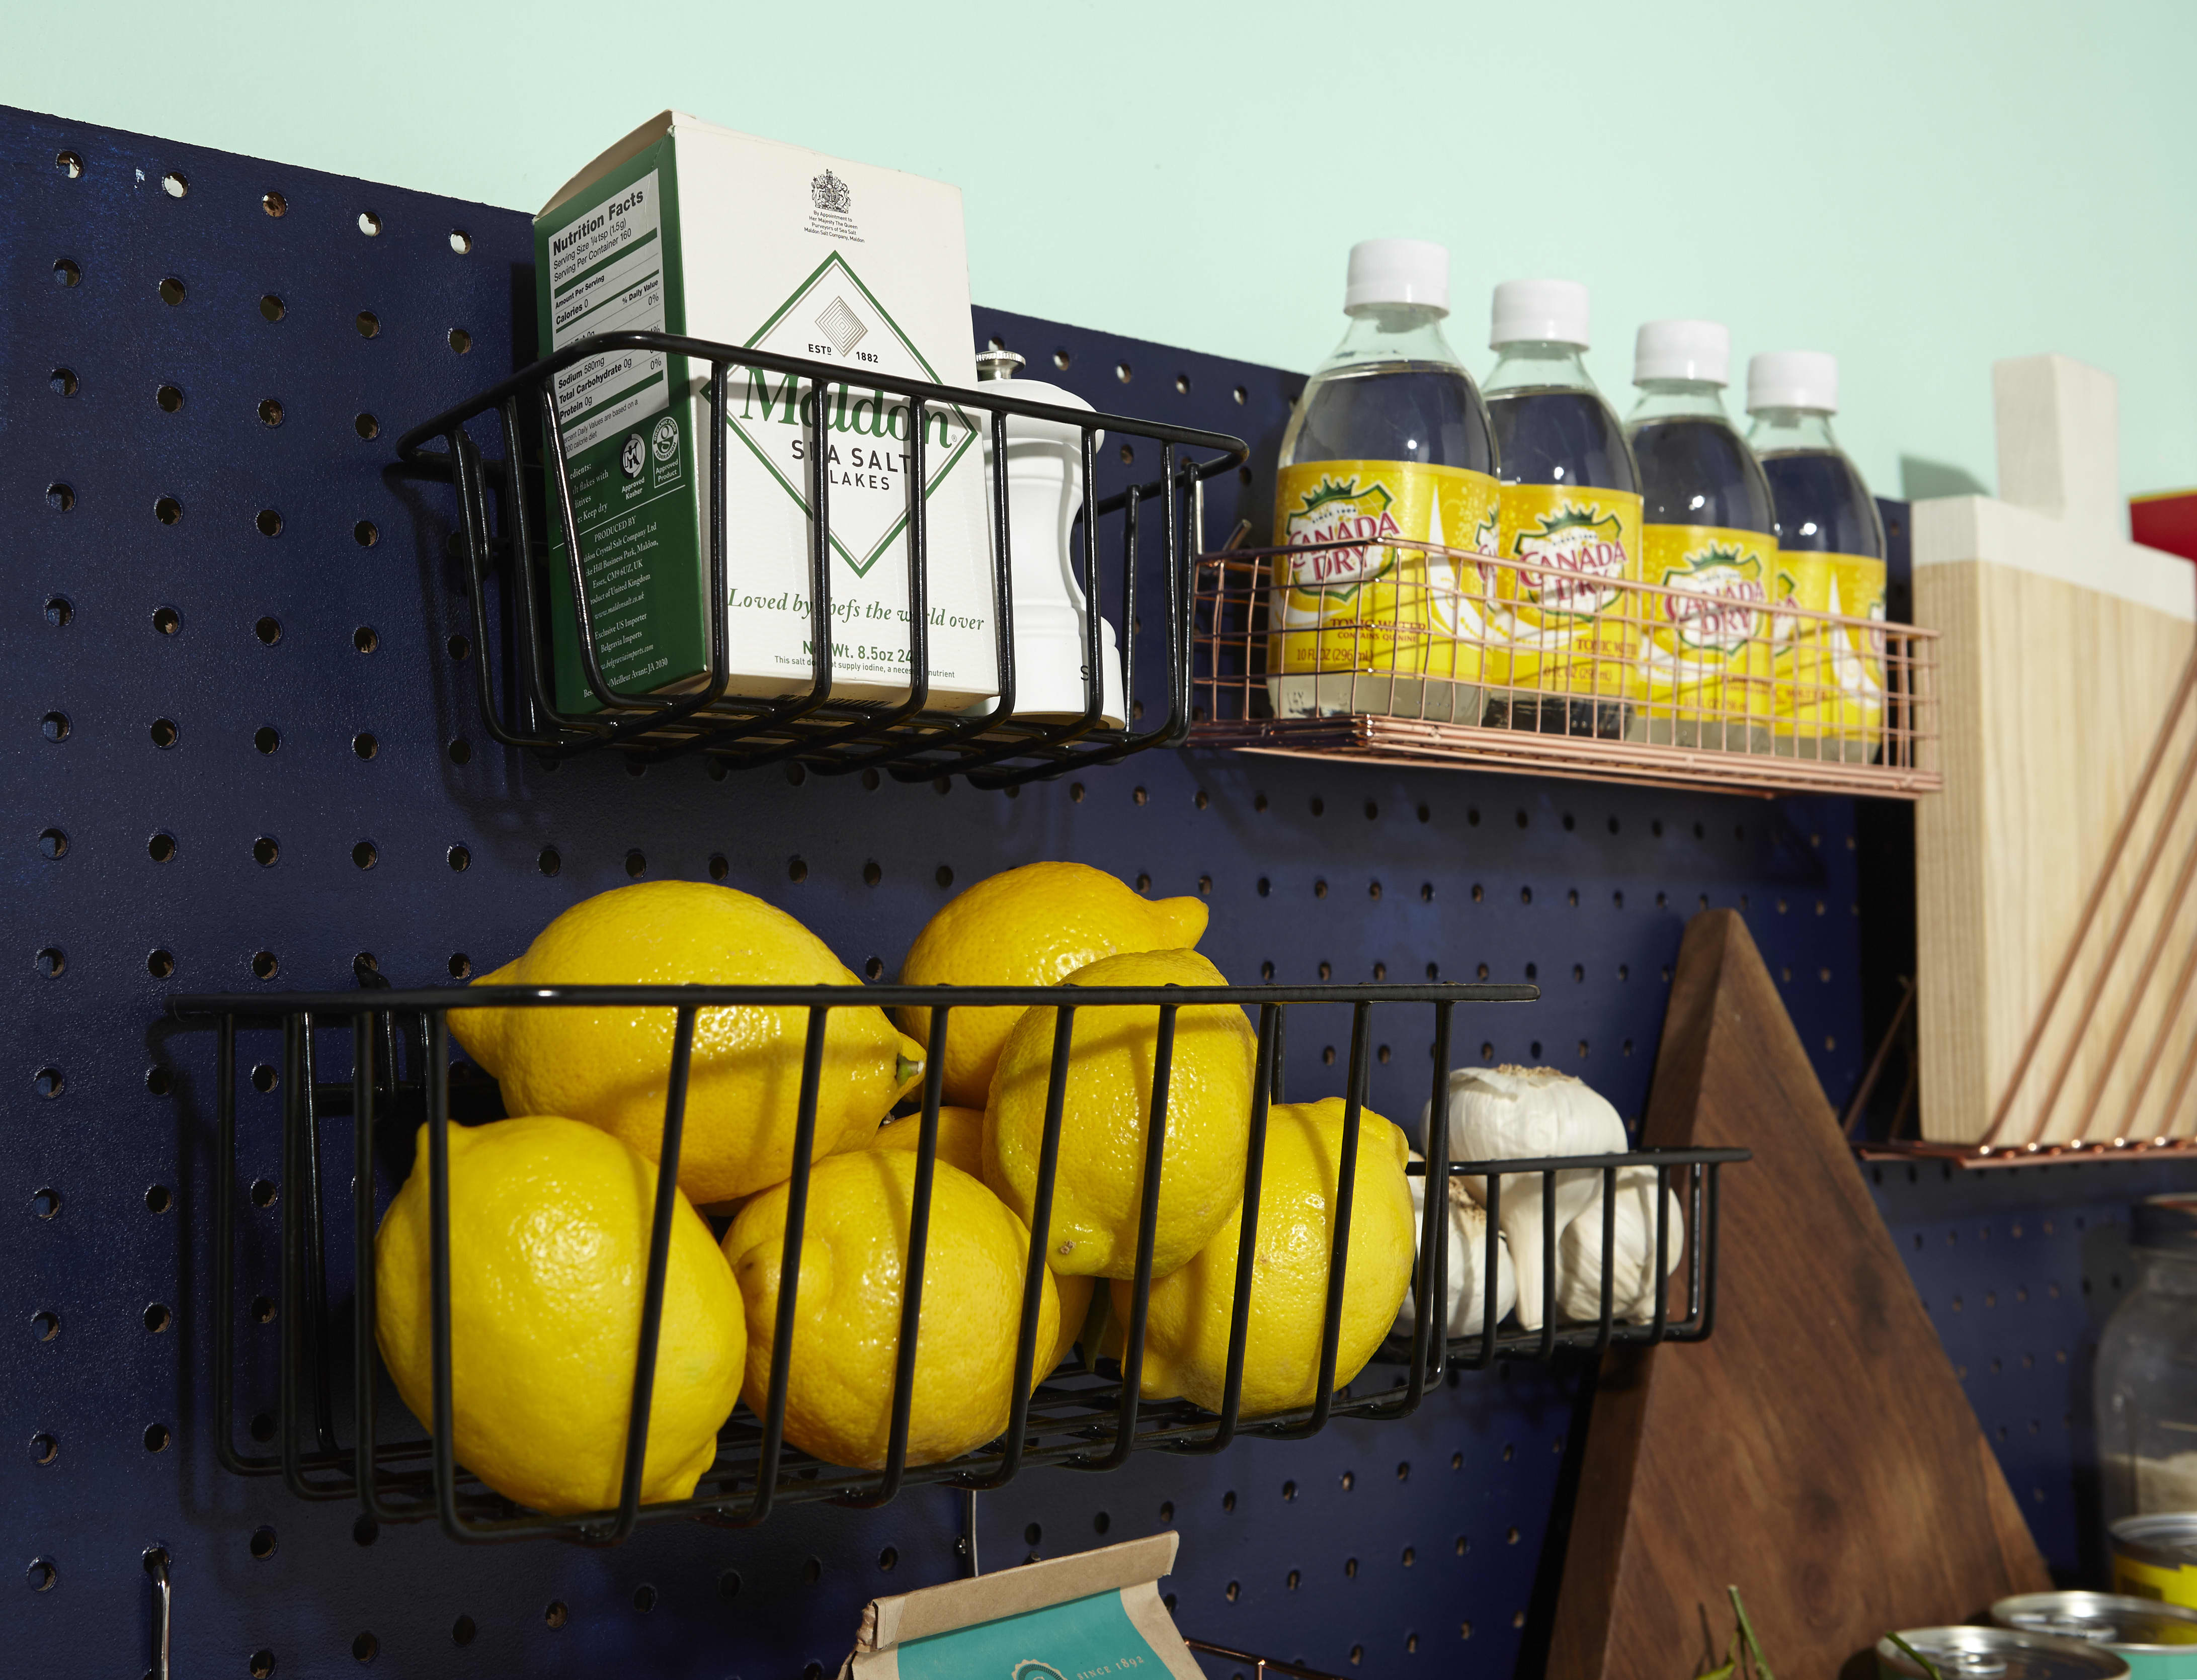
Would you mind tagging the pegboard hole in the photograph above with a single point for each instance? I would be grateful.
(368, 324)
(48, 1082)
(159, 1198)
(159, 1081)
(55, 726)
(1122, 372)
(59, 497)
(458, 647)
(270, 631)
(637, 864)
(168, 511)
(370, 224)
(365, 639)
(1128, 455)
(728, 1587)
(1231, 1591)
(462, 1630)
(1265, 970)
(157, 1438)
(63, 380)
(461, 751)
(50, 962)
(875, 968)
(261, 1543)
(165, 732)
(171, 292)
(69, 164)
(812, 1571)
(59, 611)
(169, 399)
(174, 185)
(45, 1325)
(166, 620)
(549, 863)
(67, 273)
(45, 1449)
(367, 426)
(364, 745)
(1357, 1656)
(270, 414)
(262, 1426)
(271, 308)
(264, 965)
(41, 1575)
(887, 1559)
(261, 1665)
(270, 522)
(644, 1598)
(46, 1204)
(364, 1530)
(1166, 1510)
(53, 844)
(364, 855)
(160, 963)
(462, 965)
(460, 340)
(264, 851)
(458, 858)
(366, 1648)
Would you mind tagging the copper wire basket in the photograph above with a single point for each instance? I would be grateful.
(1434, 655)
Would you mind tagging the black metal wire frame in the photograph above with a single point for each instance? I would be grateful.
(1088, 1419)
(902, 737)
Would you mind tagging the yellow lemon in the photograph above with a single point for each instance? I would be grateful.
(960, 1137)
(550, 1223)
(1186, 1327)
(1096, 1192)
(846, 1335)
(610, 1066)
(1075, 1306)
(1029, 927)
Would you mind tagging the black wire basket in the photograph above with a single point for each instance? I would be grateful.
(1089, 1416)
(904, 738)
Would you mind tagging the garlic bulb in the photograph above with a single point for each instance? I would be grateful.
(1632, 1247)
(1468, 1258)
(1511, 1112)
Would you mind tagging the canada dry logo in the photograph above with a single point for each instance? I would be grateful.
(1584, 553)
(1340, 511)
(1718, 589)
(828, 192)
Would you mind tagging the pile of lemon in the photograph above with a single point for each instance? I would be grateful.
(550, 1213)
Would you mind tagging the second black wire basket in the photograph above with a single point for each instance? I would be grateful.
(339, 1432)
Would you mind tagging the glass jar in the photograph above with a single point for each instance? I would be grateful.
(2147, 1372)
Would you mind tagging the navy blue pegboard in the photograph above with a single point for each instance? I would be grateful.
(237, 758)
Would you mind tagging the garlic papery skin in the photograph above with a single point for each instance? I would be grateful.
(1514, 1113)
(1468, 1263)
(1633, 1247)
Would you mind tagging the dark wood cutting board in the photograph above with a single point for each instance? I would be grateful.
(1816, 1452)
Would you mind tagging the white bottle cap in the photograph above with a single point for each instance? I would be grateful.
(1397, 271)
(1545, 311)
(1682, 349)
(1793, 378)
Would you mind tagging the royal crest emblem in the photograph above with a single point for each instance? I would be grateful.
(828, 192)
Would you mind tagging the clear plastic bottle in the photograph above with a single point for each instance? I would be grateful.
(2146, 1382)
(1390, 440)
(1830, 702)
(1571, 502)
(1709, 529)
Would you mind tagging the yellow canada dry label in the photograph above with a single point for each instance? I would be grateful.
(2138, 1579)
(1833, 684)
(1563, 614)
(1706, 656)
(1354, 601)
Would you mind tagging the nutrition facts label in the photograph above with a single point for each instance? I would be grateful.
(607, 275)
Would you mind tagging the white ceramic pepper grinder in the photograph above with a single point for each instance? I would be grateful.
(1045, 491)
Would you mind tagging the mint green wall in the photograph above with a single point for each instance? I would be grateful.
(1919, 186)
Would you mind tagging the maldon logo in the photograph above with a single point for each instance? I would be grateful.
(1585, 557)
(1720, 591)
(1342, 513)
(828, 192)
(1029, 1668)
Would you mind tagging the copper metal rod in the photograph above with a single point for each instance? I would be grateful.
(2137, 800)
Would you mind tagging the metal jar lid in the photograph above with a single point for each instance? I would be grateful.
(2000, 1654)
(2164, 1539)
(2102, 1619)
(2165, 1222)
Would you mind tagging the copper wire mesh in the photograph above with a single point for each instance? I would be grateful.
(1418, 652)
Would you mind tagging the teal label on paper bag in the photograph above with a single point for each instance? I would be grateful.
(1084, 1639)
